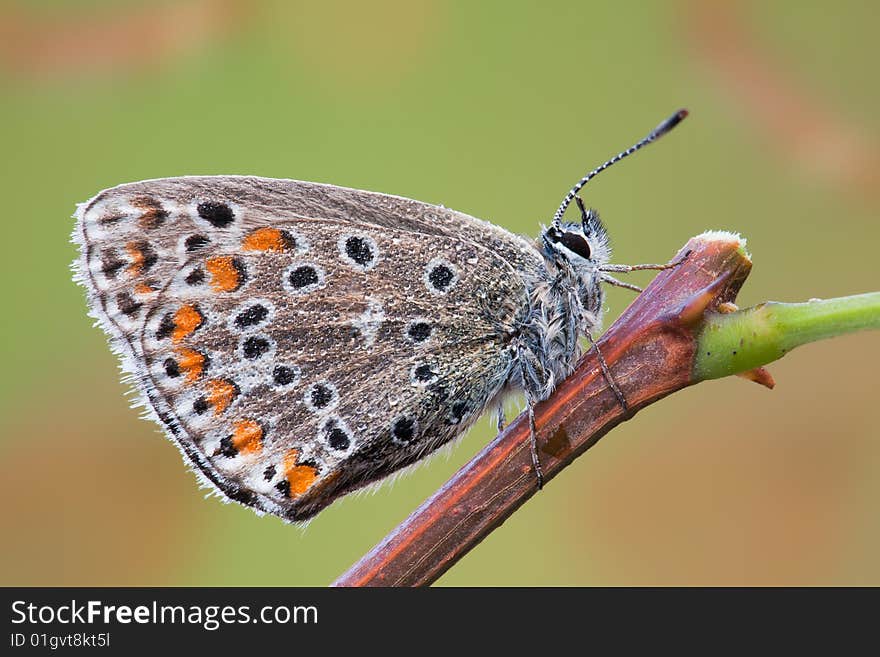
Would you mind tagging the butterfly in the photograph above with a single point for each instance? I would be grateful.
(298, 341)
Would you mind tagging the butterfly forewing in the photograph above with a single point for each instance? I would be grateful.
(298, 340)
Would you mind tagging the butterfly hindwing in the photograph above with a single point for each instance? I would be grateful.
(297, 340)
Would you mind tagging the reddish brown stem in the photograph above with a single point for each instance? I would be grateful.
(650, 350)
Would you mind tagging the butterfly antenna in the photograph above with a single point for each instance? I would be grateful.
(656, 133)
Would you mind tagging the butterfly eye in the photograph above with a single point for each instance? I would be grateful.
(576, 244)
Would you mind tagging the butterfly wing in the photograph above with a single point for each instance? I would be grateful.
(296, 340)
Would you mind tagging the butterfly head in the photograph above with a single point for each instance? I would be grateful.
(585, 246)
(582, 246)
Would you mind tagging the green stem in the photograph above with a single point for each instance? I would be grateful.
(746, 339)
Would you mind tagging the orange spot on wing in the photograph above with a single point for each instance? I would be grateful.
(247, 437)
(186, 320)
(226, 274)
(301, 477)
(266, 239)
(191, 363)
(152, 215)
(137, 258)
(143, 288)
(220, 394)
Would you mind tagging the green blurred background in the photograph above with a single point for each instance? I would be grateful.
(494, 109)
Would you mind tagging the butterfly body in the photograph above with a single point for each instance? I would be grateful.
(298, 341)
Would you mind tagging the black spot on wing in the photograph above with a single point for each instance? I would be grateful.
(219, 215)
(251, 316)
(195, 277)
(196, 242)
(303, 277)
(441, 277)
(111, 263)
(127, 305)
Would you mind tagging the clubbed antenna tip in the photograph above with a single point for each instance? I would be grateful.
(670, 123)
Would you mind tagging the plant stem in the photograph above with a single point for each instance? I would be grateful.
(746, 339)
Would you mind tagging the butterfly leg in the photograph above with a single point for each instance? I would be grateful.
(533, 447)
(625, 269)
(613, 281)
(532, 375)
(607, 374)
(500, 417)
